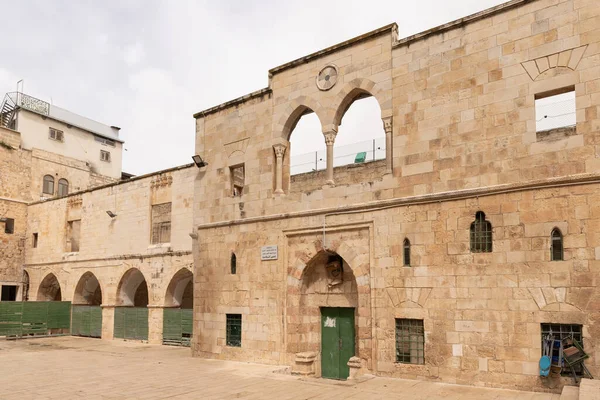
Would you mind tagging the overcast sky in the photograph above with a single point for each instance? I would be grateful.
(148, 65)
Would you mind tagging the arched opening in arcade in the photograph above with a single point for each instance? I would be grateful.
(178, 310)
(86, 313)
(49, 289)
(131, 311)
(306, 144)
(361, 135)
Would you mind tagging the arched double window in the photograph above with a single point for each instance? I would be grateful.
(63, 187)
(48, 186)
(406, 247)
(481, 234)
(556, 245)
(233, 263)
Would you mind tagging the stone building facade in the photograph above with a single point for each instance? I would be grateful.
(44, 154)
(478, 234)
(88, 257)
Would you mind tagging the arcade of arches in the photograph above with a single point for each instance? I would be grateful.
(130, 308)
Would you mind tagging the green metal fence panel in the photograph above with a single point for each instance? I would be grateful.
(131, 323)
(35, 318)
(59, 315)
(95, 321)
(177, 326)
(119, 331)
(10, 318)
(86, 321)
(38, 318)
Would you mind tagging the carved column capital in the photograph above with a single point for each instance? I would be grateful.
(387, 124)
(330, 137)
(279, 150)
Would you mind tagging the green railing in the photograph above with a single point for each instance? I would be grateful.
(177, 326)
(36, 318)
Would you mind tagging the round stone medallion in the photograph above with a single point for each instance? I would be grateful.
(327, 78)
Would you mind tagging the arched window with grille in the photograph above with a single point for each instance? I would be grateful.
(481, 234)
(63, 187)
(48, 186)
(233, 263)
(556, 245)
(406, 247)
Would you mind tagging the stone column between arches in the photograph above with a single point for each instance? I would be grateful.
(309, 288)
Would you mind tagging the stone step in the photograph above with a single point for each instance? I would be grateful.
(570, 393)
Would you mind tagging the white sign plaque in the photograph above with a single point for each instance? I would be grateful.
(268, 253)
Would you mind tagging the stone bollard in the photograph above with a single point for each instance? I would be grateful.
(355, 365)
(305, 363)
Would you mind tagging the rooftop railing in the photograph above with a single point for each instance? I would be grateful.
(355, 153)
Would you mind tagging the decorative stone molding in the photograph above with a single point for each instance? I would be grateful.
(387, 127)
(304, 364)
(329, 141)
(279, 150)
(387, 124)
(237, 145)
(330, 138)
(161, 181)
(565, 59)
(75, 201)
(328, 77)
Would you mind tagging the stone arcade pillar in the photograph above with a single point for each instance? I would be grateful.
(155, 324)
(329, 141)
(108, 322)
(279, 152)
(387, 127)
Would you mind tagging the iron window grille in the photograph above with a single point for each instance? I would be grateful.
(556, 248)
(560, 332)
(406, 252)
(410, 341)
(237, 180)
(48, 186)
(104, 156)
(234, 330)
(233, 264)
(55, 134)
(481, 234)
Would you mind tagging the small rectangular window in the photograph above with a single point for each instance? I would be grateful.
(9, 293)
(73, 233)
(557, 333)
(9, 226)
(553, 112)
(410, 341)
(237, 180)
(35, 240)
(104, 156)
(161, 223)
(55, 134)
(234, 330)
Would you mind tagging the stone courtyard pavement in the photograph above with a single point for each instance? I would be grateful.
(79, 368)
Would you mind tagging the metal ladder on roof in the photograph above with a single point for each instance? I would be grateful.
(8, 111)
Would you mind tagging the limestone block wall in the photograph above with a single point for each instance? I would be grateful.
(14, 193)
(459, 101)
(104, 237)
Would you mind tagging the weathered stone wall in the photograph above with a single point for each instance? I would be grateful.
(111, 247)
(461, 103)
(14, 192)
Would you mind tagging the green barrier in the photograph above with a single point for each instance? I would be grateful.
(177, 326)
(35, 318)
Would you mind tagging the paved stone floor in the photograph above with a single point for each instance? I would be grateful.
(74, 368)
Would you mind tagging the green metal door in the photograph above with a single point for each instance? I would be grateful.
(86, 321)
(177, 326)
(131, 323)
(337, 342)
